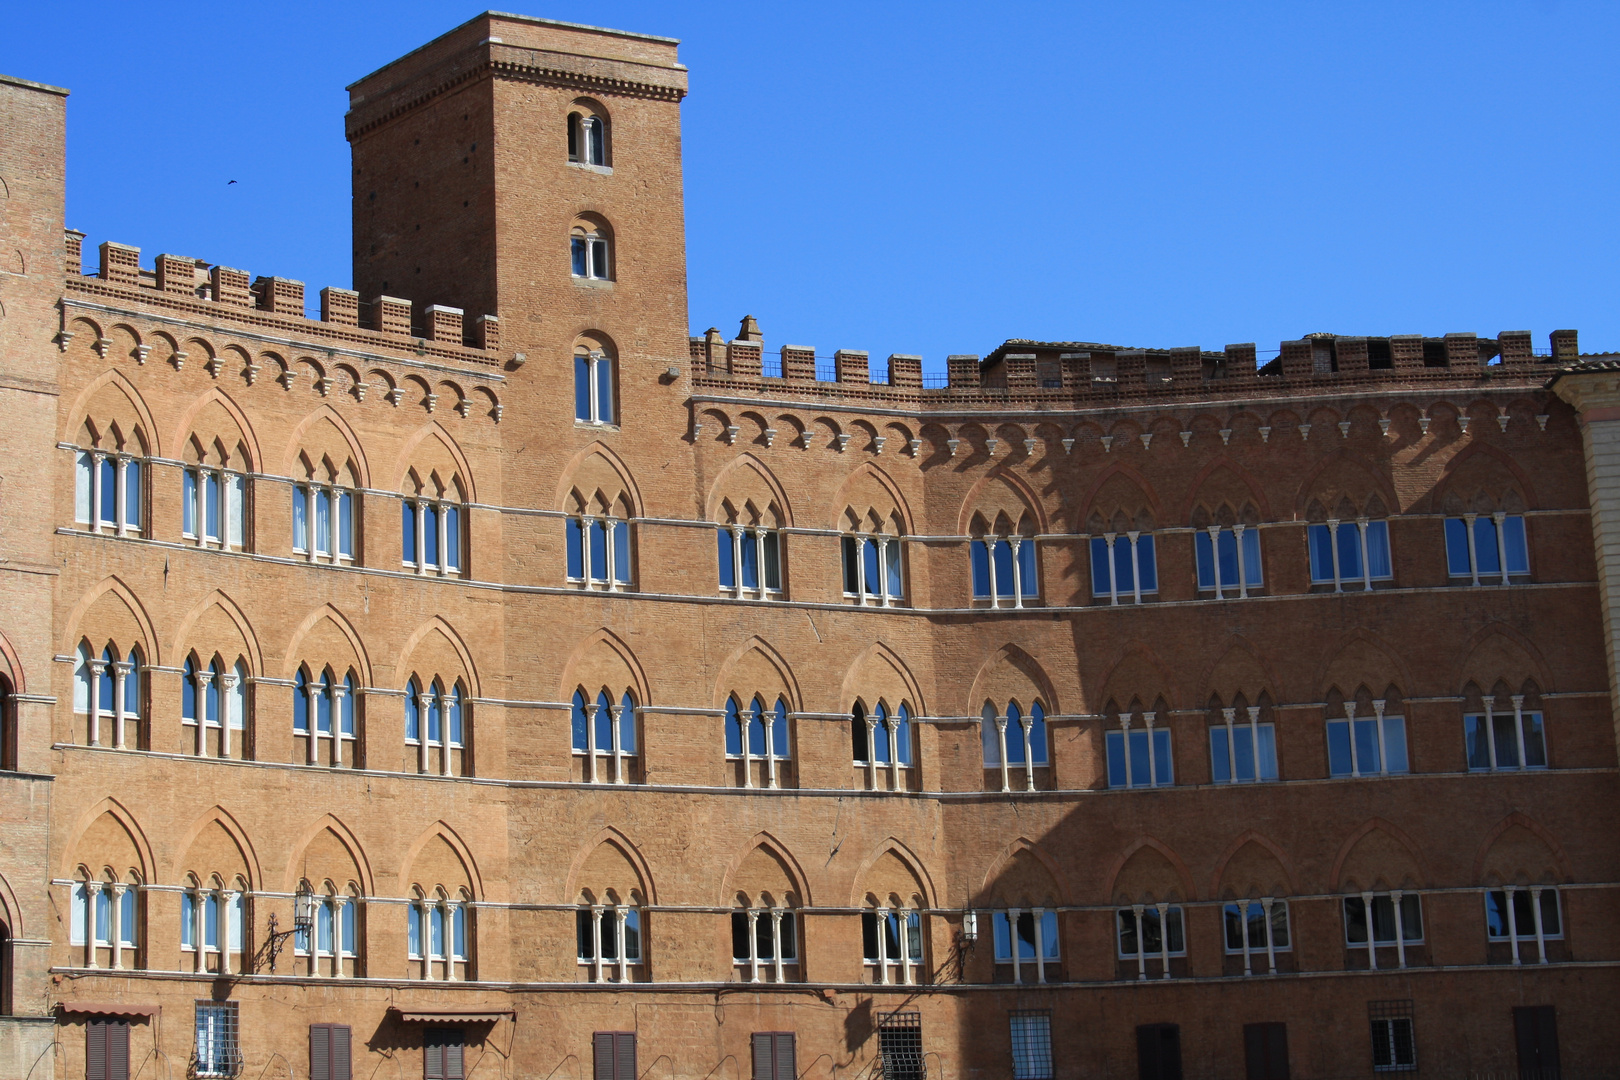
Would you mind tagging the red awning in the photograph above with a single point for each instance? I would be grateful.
(454, 1016)
(109, 1008)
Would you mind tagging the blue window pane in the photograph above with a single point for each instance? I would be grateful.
(126, 919)
(452, 537)
(1321, 554)
(979, 558)
(346, 709)
(1204, 552)
(604, 392)
(902, 737)
(750, 560)
(1163, 764)
(896, 587)
(1003, 935)
(1367, 745)
(453, 711)
(779, 731)
(1268, 752)
(576, 548)
(323, 523)
(435, 717)
(734, 729)
(1457, 547)
(582, 363)
(132, 685)
(413, 712)
(1049, 935)
(1516, 550)
(211, 504)
(1338, 738)
(1243, 751)
(578, 724)
(990, 737)
(728, 560)
(880, 736)
(756, 728)
(1226, 547)
(214, 684)
(1146, 563)
(300, 518)
(459, 944)
(627, 724)
(1395, 744)
(188, 503)
(188, 917)
(577, 251)
(1004, 568)
(323, 711)
(1037, 734)
(407, 533)
(300, 703)
(1220, 762)
(621, 552)
(1099, 566)
(188, 693)
(346, 524)
(870, 565)
(1026, 568)
(1349, 551)
(105, 695)
(604, 721)
(599, 540)
(1252, 572)
(1490, 561)
(430, 535)
(1015, 735)
(1140, 773)
(1476, 739)
(1378, 561)
(109, 491)
(1115, 744)
(132, 494)
(210, 921)
(324, 931)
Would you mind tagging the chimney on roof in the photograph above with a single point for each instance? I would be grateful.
(749, 330)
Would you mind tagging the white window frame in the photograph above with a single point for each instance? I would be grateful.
(895, 970)
(1048, 950)
(889, 561)
(622, 964)
(1499, 518)
(1136, 593)
(778, 964)
(1219, 587)
(90, 485)
(598, 377)
(1138, 913)
(598, 260)
(419, 505)
(619, 563)
(1020, 593)
(425, 699)
(1381, 721)
(336, 538)
(1522, 733)
(1254, 728)
(216, 1049)
(335, 691)
(1148, 718)
(231, 487)
(1517, 934)
(1400, 942)
(755, 535)
(1337, 579)
(1249, 949)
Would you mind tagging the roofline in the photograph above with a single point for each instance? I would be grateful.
(46, 87)
(519, 18)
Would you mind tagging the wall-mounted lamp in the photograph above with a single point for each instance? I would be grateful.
(970, 926)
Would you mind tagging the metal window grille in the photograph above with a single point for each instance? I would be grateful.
(1394, 1045)
(216, 1051)
(900, 1046)
(1031, 1044)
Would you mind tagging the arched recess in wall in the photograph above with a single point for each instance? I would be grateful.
(1378, 856)
(439, 855)
(1002, 503)
(1119, 501)
(1521, 851)
(886, 872)
(325, 437)
(1010, 674)
(435, 647)
(216, 843)
(214, 622)
(747, 492)
(879, 673)
(1224, 493)
(101, 834)
(869, 496)
(757, 668)
(1253, 865)
(1148, 872)
(328, 850)
(111, 399)
(609, 862)
(110, 609)
(603, 658)
(324, 635)
(1024, 875)
(431, 451)
(765, 871)
(218, 425)
(598, 475)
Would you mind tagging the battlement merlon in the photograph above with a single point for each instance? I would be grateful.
(590, 58)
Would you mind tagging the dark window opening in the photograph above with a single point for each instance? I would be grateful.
(900, 1046)
(1434, 353)
(1379, 355)
(330, 1056)
(615, 1055)
(1265, 1051)
(1535, 1029)
(1158, 1052)
(106, 1049)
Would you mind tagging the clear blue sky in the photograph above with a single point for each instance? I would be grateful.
(935, 177)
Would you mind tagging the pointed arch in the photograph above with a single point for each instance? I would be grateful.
(1109, 472)
(1255, 489)
(326, 412)
(440, 830)
(1239, 651)
(441, 624)
(627, 847)
(326, 611)
(234, 612)
(1535, 828)
(1022, 490)
(11, 911)
(1137, 654)
(111, 584)
(1011, 851)
(748, 462)
(117, 379)
(1379, 480)
(869, 469)
(880, 651)
(983, 687)
(1498, 456)
(1389, 829)
(345, 837)
(126, 820)
(756, 644)
(13, 665)
(894, 845)
(250, 439)
(1535, 659)
(1402, 677)
(599, 449)
(614, 644)
(434, 429)
(1250, 836)
(217, 814)
(1146, 842)
(764, 840)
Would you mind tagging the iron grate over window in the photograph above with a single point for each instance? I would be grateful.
(900, 1046)
(1394, 1043)
(1031, 1044)
(216, 1053)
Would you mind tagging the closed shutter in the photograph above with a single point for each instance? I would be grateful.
(1536, 1028)
(1265, 1048)
(1158, 1052)
(455, 1057)
(95, 1050)
(602, 1043)
(117, 1050)
(624, 1055)
(432, 1061)
(320, 1052)
(342, 1056)
(764, 1058)
(786, 1068)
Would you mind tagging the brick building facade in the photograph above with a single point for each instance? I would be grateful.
(486, 677)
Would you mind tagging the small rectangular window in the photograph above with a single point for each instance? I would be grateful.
(1158, 1051)
(330, 1056)
(215, 1052)
(1386, 915)
(1031, 1044)
(615, 1055)
(900, 1046)
(774, 1056)
(444, 1054)
(1142, 935)
(1535, 1032)
(106, 1049)
(1265, 1051)
(1394, 1045)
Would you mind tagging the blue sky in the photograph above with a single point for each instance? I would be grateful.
(936, 177)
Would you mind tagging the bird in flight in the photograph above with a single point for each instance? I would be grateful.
(228, 183)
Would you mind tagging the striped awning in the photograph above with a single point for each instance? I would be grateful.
(109, 1008)
(454, 1016)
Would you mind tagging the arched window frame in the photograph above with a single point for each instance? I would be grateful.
(1139, 758)
(105, 918)
(610, 937)
(323, 521)
(433, 533)
(332, 946)
(590, 252)
(603, 737)
(765, 940)
(749, 738)
(892, 943)
(1016, 737)
(595, 387)
(438, 721)
(327, 707)
(750, 560)
(109, 690)
(588, 140)
(1026, 938)
(439, 934)
(108, 490)
(874, 572)
(883, 743)
(1004, 569)
(214, 506)
(598, 551)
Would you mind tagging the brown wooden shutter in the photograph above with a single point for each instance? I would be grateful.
(762, 1055)
(602, 1043)
(320, 1052)
(117, 1050)
(342, 1058)
(786, 1067)
(95, 1050)
(432, 1060)
(455, 1058)
(624, 1055)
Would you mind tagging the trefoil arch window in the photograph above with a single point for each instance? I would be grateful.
(331, 947)
(438, 934)
(1003, 569)
(1149, 932)
(1124, 568)
(324, 709)
(750, 559)
(105, 918)
(1014, 738)
(758, 740)
(765, 941)
(436, 724)
(873, 572)
(107, 690)
(1026, 938)
(432, 539)
(603, 737)
(599, 551)
(882, 744)
(594, 387)
(107, 495)
(1486, 548)
(608, 933)
(323, 514)
(214, 924)
(214, 705)
(892, 943)
(1256, 928)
